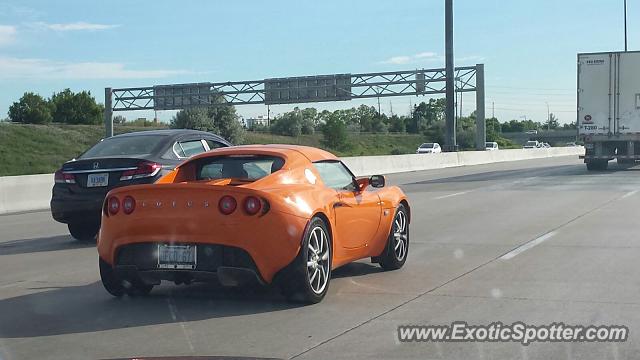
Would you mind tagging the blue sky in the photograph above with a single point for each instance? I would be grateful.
(528, 47)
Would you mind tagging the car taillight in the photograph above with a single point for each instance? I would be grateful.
(114, 205)
(252, 205)
(62, 177)
(128, 205)
(144, 169)
(227, 205)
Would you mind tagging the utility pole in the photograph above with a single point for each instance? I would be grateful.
(450, 135)
(379, 113)
(268, 116)
(548, 118)
(493, 109)
(391, 107)
(625, 26)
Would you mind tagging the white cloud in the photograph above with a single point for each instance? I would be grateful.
(76, 26)
(427, 57)
(14, 68)
(409, 59)
(7, 34)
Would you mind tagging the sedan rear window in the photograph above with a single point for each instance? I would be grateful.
(125, 145)
(242, 167)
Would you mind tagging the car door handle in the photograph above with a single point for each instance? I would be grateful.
(338, 204)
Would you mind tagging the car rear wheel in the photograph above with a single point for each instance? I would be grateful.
(397, 249)
(85, 230)
(111, 282)
(307, 279)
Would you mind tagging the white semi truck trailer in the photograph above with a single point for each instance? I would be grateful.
(609, 107)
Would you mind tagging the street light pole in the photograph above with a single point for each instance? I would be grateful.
(450, 138)
(625, 26)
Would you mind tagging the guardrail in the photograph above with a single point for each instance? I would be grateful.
(33, 192)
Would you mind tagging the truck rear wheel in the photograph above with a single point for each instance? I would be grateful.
(597, 165)
(625, 161)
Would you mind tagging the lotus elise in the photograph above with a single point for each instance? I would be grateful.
(273, 214)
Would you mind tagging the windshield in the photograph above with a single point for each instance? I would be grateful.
(124, 146)
(427, 146)
(237, 167)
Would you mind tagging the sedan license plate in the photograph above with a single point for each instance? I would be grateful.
(182, 257)
(98, 180)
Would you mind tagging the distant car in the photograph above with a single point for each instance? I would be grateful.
(215, 218)
(128, 159)
(533, 144)
(532, 132)
(491, 146)
(429, 148)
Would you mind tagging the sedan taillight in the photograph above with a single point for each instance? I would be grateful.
(144, 169)
(61, 177)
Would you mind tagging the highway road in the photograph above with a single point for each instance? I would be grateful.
(537, 241)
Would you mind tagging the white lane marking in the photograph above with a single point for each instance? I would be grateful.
(629, 194)
(452, 195)
(515, 252)
(174, 316)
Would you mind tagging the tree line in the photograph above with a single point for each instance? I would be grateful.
(426, 118)
(62, 107)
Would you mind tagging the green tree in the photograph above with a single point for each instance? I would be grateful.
(119, 119)
(397, 123)
(425, 115)
(334, 133)
(31, 109)
(552, 123)
(220, 119)
(193, 118)
(76, 108)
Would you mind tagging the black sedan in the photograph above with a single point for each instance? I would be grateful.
(134, 158)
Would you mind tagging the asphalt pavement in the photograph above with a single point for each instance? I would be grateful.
(536, 241)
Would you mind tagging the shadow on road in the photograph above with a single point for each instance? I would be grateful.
(88, 308)
(54, 243)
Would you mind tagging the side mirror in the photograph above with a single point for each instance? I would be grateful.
(377, 181)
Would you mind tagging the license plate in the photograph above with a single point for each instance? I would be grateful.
(98, 180)
(177, 257)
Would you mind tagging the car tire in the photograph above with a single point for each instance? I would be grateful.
(306, 279)
(395, 253)
(111, 282)
(84, 231)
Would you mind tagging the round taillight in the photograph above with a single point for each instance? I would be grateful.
(227, 204)
(128, 205)
(114, 205)
(252, 205)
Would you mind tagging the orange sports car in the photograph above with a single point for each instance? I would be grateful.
(276, 214)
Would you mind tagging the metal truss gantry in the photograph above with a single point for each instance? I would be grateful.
(321, 88)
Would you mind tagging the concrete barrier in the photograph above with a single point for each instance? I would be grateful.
(25, 193)
(33, 192)
(369, 165)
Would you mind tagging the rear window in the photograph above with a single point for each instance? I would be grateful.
(241, 167)
(126, 145)
(427, 146)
